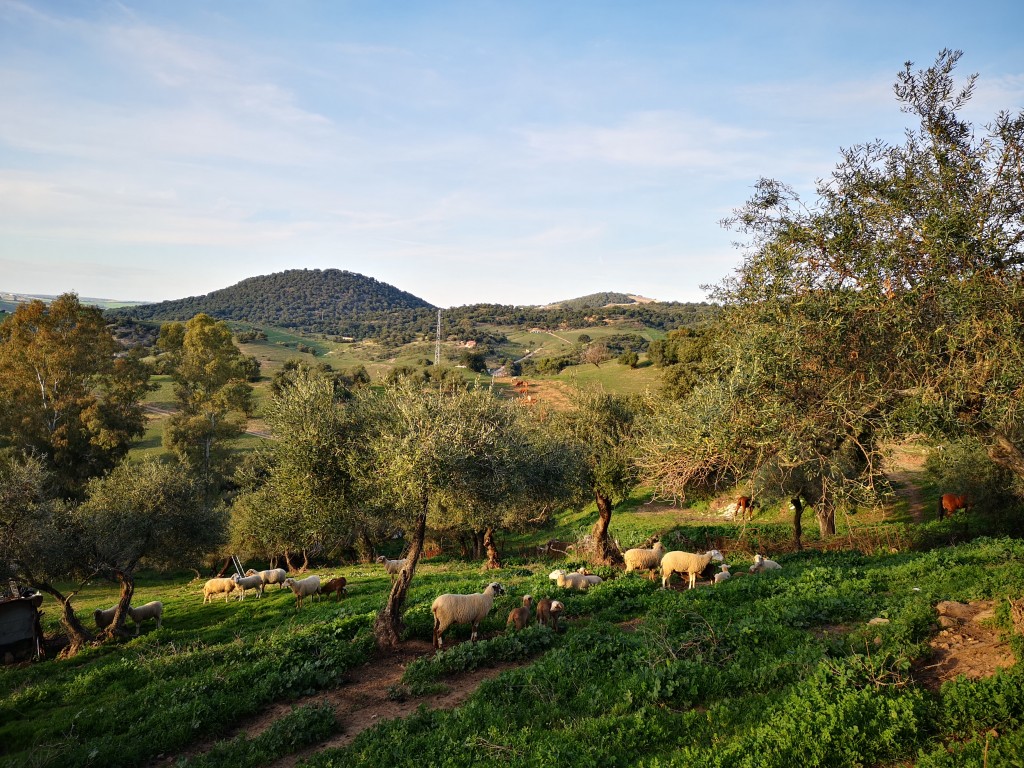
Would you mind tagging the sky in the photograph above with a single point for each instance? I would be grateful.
(516, 152)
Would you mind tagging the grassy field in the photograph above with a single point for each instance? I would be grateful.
(772, 670)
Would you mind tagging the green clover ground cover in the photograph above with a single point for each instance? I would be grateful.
(779, 669)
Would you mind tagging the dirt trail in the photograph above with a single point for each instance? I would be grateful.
(362, 701)
(905, 467)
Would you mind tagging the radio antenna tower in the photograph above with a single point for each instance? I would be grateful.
(437, 343)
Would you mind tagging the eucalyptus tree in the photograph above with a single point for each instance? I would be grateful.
(211, 390)
(601, 427)
(67, 396)
(148, 513)
(892, 301)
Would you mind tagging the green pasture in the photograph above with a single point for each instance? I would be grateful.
(771, 670)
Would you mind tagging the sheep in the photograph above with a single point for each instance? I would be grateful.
(544, 611)
(556, 611)
(216, 586)
(520, 617)
(303, 588)
(640, 559)
(723, 574)
(336, 585)
(688, 563)
(579, 581)
(151, 610)
(762, 564)
(272, 576)
(451, 609)
(103, 618)
(249, 582)
(393, 567)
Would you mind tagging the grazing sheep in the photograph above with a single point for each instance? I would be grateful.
(151, 610)
(272, 576)
(688, 563)
(336, 585)
(762, 564)
(520, 617)
(303, 588)
(640, 559)
(723, 574)
(556, 548)
(579, 581)
(216, 587)
(103, 618)
(393, 567)
(556, 611)
(462, 609)
(249, 582)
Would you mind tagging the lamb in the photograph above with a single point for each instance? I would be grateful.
(520, 617)
(462, 609)
(249, 582)
(688, 563)
(393, 567)
(723, 574)
(556, 611)
(216, 587)
(151, 610)
(579, 581)
(336, 585)
(272, 576)
(762, 564)
(640, 559)
(544, 611)
(103, 618)
(303, 588)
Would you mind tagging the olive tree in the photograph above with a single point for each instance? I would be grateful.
(145, 513)
(892, 301)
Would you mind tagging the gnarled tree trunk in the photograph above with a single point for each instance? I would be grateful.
(127, 584)
(493, 559)
(826, 515)
(77, 634)
(605, 551)
(388, 626)
(798, 513)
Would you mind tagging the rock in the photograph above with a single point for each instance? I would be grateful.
(878, 620)
(955, 610)
(947, 622)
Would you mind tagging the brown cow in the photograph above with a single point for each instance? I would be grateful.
(950, 503)
(744, 507)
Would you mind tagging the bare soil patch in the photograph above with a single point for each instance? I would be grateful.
(972, 648)
(904, 467)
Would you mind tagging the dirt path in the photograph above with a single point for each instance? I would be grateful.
(362, 701)
(905, 467)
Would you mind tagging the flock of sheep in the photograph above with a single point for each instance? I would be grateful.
(452, 609)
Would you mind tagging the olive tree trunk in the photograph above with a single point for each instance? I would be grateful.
(78, 635)
(826, 515)
(388, 626)
(605, 551)
(798, 513)
(493, 559)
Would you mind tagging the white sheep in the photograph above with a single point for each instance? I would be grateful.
(151, 610)
(723, 574)
(303, 588)
(249, 582)
(688, 563)
(393, 567)
(218, 586)
(462, 609)
(103, 618)
(762, 564)
(640, 559)
(579, 581)
(272, 576)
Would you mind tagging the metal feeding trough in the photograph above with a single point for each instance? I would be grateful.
(21, 634)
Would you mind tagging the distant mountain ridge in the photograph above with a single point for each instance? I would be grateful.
(601, 299)
(305, 299)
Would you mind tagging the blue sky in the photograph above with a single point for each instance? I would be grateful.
(511, 152)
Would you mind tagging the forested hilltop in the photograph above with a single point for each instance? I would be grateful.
(345, 304)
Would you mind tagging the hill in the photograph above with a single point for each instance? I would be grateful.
(330, 301)
(602, 299)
